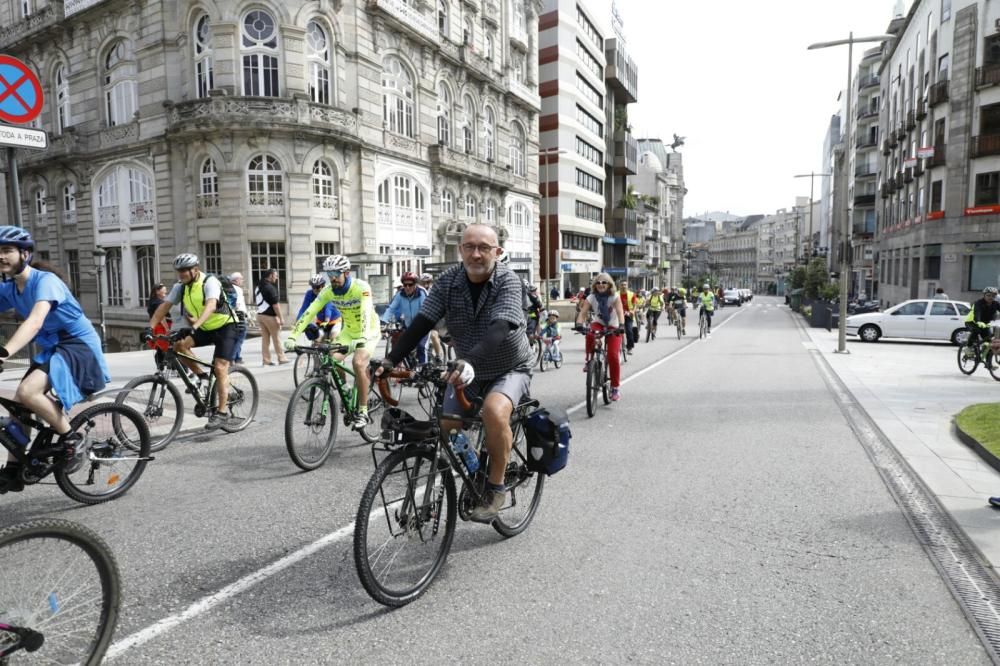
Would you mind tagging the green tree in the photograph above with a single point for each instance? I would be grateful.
(797, 278)
(817, 277)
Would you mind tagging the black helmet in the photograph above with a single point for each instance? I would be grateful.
(16, 236)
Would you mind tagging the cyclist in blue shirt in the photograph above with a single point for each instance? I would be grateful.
(326, 318)
(69, 365)
(405, 307)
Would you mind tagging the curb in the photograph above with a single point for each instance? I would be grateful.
(974, 444)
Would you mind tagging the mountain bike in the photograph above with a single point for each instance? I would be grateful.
(160, 402)
(702, 323)
(971, 355)
(679, 325)
(651, 328)
(59, 595)
(551, 354)
(111, 454)
(311, 419)
(304, 366)
(598, 380)
(406, 518)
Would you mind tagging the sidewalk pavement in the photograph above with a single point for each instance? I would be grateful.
(913, 391)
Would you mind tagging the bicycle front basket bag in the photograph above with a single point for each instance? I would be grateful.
(548, 435)
(399, 427)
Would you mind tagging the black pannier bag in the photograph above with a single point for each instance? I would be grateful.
(548, 435)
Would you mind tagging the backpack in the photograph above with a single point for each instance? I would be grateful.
(227, 304)
(548, 434)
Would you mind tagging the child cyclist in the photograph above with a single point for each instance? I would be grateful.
(550, 335)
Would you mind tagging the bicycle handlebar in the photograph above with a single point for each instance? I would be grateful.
(402, 373)
(322, 348)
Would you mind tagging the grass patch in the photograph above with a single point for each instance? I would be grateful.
(982, 422)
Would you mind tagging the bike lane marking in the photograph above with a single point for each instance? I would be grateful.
(252, 579)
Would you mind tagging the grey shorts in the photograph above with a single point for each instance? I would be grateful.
(514, 385)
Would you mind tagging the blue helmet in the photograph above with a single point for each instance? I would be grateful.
(18, 237)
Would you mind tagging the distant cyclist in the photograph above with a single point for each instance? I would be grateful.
(655, 307)
(678, 304)
(327, 318)
(983, 312)
(404, 308)
(534, 311)
(707, 301)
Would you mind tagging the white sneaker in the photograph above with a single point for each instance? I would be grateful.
(710, 334)
(360, 421)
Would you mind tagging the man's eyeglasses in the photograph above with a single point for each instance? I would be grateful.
(469, 248)
(409, 284)
(604, 282)
(334, 274)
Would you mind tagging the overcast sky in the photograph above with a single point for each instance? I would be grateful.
(735, 78)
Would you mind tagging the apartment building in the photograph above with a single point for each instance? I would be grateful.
(274, 134)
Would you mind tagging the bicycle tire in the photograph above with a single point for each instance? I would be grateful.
(605, 384)
(592, 385)
(243, 399)
(311, 446)
(557, 360)
(992, 365)
(127, 434)
(387, 506)
(536, 350)
(541, 360)
(44, 592)
(372, 432)
(649, 333)
(624, 351)
(150, 403)
(303, 367)
(519, 480)
(964, 361)
(426, 399)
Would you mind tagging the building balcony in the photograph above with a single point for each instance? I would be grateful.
(884, 190)
(626, 153)
(921, 110)
(911, 119)
(623, 227)
(255, 113)
(522, 93)
(901, 132)
(864, 113)
(865, 170)
(889, 143)
(468, 166)
(32, 27)
(637, 253)
(940, 154)
(864, 200)
(479, 67)
(491, 12)
(987, 75)
(938, 93)
(908, 175)
(408, 18)
(621, 73)
(985, 144)
(865, 142)
(206, 205)
(652, 234)
(868, 81)
(918, 170)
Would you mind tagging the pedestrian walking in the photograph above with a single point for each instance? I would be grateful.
(242, 316)
(939, 294)
(269, 317)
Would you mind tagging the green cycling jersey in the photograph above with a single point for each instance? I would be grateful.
(357, 310)
(707, 301)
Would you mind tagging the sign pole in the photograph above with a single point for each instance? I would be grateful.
(14, 187)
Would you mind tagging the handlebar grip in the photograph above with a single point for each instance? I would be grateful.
(463, 401)
(383, 384)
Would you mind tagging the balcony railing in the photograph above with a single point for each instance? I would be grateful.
(141, 214)
(868, 81)
(886, 148)
(884, 190)
(69, 217)
(194, 115)
(867, 112)
(985, 144)
(265, 203)
(940, 154)
(206, 205)
(621, 73)
(108, 217)
(863, 170)
(921, 109)
(29, 27)
(480, 66)
(911, 119)
(901, 132)
(938, 93)
(908, 175)
(626, 153)
(918, 170)
(893, 141)
(623, 224)
(468, 166)
(491, 12)
(987, 75)
(866, 142)
(409, 18)
(523, 92)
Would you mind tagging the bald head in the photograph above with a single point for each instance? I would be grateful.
(480, 247)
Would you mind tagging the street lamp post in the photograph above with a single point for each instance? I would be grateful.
(548, 240)
(845, 265)
(100, 257)
(812, 177)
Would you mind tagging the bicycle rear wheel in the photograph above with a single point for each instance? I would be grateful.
(968, 359)
(993, 365)
(243, 399)
(400, 542)
(62, 581)
(116, 448)
(160, 404)
(524, 488)
(303, 367)
(593, 373)
(542, 360)
(311, 422)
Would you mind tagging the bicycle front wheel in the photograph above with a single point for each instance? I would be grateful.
(304, 365)
(116, 448)
(524, 489)
(243, 398)
(371, 432)
(593, 375)
(404, 527)
(993, 365)
(311, 421)
(160, 404)
(542, 360)
(605, 384)
(968, 359)
(62, 581)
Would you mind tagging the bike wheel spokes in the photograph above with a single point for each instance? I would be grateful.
(311, 422)
(968, 360)
(160, 404)
(404, 527)
(371, 432)
(243, 398)
(59, 580)
(524, 491)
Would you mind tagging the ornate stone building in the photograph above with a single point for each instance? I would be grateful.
(273, 134)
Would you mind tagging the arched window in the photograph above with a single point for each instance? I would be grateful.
(140, 198)
(208, 189)
(265, 185)
(260, 55)
(447, 203)
(402, 215)
(41, 206)
(467, 33)
(491, 212)
(517, 150)
(468, 125)
(113, 269)
(489, 134)
(62, 98)
(488, 47)
(318, 60)
(470, 206)
(203, 76)
(26, 8)
(145, 265)
(69, 203)
(443, 17)
(397, 97)
(119, 84)
(444, 114)
(324, 193)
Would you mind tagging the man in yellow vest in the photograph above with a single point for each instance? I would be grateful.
(212, 322)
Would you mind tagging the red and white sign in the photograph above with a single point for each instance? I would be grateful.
(935, 215)
(925, 152)
(909, 162)
(982, 210)
(21, 97)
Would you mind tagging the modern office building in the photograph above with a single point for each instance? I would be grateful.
(274, 134)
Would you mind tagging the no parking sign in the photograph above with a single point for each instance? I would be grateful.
(21, 96)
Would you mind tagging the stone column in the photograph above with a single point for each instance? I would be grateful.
(225, 52)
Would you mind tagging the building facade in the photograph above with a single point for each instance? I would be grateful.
(273, 134)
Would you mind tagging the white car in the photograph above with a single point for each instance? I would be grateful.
(922, 319)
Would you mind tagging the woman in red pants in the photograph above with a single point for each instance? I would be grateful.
(608, 313)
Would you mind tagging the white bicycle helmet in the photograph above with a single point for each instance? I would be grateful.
(337, 262)
(185, 261)
(426, 277)
(503, 257)
(318, 280)
(990, 290)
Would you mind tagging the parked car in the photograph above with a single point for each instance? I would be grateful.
(746, 295)
(862, 307)
(922, 319)
(732, 297)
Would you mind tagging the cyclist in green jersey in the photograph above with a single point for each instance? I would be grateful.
(360, 330)
(706, 300)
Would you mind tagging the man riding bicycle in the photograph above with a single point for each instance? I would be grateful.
(69, 365)
(326, 319)
(481, 299)
(678, 303)
(360, 332)
(534, 310)
(404, 308)
(655, 308)
(706, 305)
(213, 322)
(982, 313)
(628, 299)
